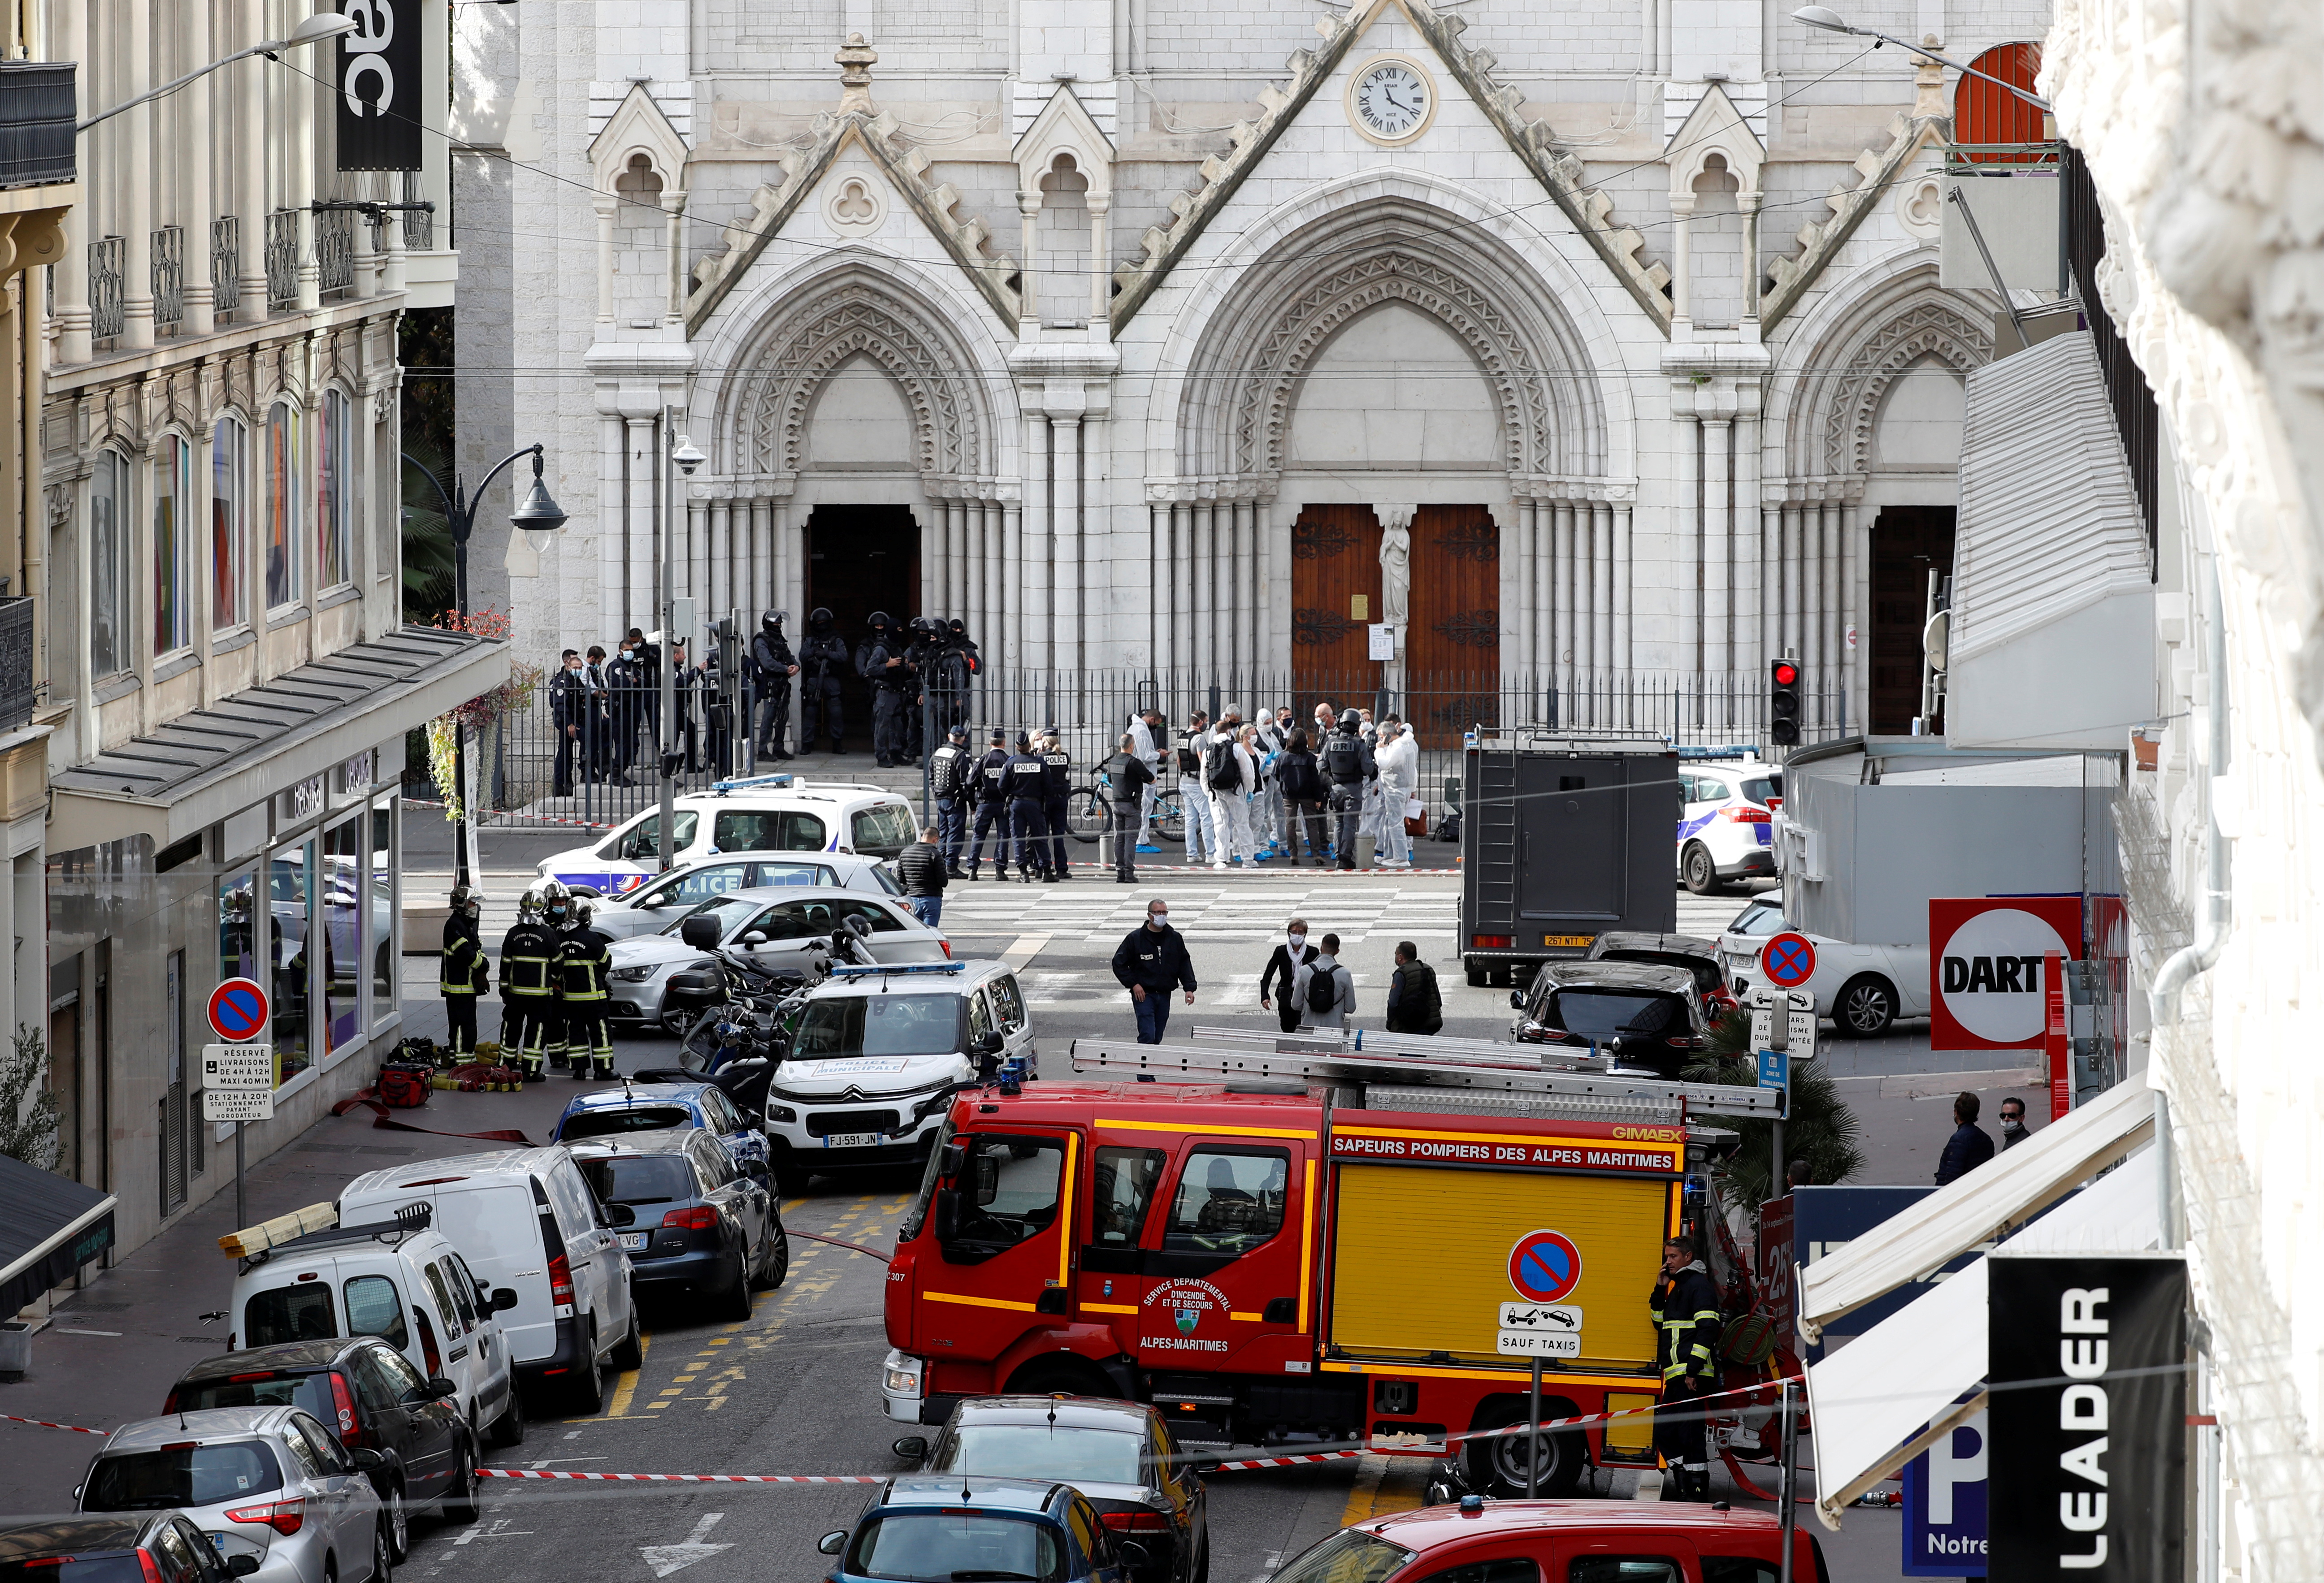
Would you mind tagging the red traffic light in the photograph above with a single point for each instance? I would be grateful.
(1786, 673)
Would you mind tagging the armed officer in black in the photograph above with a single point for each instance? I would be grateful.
(1025, 779)
(1057, 790)
(991, 810)
(771, 670)
(951, 782)
(823, 660)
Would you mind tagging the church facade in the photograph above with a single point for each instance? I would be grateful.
(1599, 346)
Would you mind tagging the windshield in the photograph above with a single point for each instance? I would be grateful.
(1037, 1450)
(310, 1391)
(918, 1215)
(1601, 1014)
(605, 1123)
(878, 1025)
(180, 1475)
(954, 1546)
(767, 830)
(638, 1179)
(730, 912)
(883, 830)
(1759, 918)
(1763, 788)
(1349, 1556)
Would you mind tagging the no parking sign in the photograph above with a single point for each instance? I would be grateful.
(239, 1010)
(1544, 1267)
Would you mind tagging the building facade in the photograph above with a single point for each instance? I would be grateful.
(229, 679)
(1176, 337)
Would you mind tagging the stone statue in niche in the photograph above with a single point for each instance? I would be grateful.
(1396, 564)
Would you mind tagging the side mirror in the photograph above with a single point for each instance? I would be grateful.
(241, 1566)
(699, 932)
(831, 1544)
(620, 1215)
(366, 1461)
(436, 1390)
(911, 1448)
(504, 1299)
(858, 926)
(756, 1170)
(1517, 1001)
(945, 1214)
(988, 1042)
(755, 937)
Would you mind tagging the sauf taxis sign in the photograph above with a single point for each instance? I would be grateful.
(1985, 967)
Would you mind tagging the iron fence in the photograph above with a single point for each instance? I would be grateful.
(38, 109)
(225, 263)
(419, 224)
(334, 249)
(108, 262)
(283, 259)
(168, 275)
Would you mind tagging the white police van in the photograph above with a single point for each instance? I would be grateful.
(1726, 823)
(763, 813)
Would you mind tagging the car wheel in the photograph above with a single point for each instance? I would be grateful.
(1864, 1007)
(1497, 1465)
(1498, 976)
(459, 1503)
(383, 1553)
(1700, 873)
(397, 1521)
(1477, 976)
(632, 1353)
(778, 1266)
(508, 1429)
(589, 1381)
(737, 1297)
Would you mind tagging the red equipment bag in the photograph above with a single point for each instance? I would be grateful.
(404, 1084)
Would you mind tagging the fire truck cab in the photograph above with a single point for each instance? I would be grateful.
(1352, 1255)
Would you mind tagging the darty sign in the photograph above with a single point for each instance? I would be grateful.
(1985, 957)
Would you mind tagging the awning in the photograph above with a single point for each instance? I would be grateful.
(190, 773)
(49, 1225)
(2006, 1191)
(1879, 1401)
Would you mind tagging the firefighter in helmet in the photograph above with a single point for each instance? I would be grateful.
(585, 963)
(528, 992)
(466, 974)
(1687, 1321)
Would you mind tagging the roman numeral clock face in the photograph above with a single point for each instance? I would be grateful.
(1392, 101)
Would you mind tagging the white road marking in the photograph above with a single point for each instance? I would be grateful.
(665, 1559)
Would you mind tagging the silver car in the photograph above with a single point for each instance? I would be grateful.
(650, 907)
(269, 1483)
(775, 927)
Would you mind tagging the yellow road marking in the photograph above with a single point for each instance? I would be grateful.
(1384, 1485)
(626, 1386)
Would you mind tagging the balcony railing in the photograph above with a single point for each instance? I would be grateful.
(225, 263)
(334, 249)
(108, 261)
(38, 109)
(283, 259)
(419, 224)
(169, 275)
(16, 661)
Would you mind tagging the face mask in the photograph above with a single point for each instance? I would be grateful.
(2013, 1124)
(1298, 941)
(1157, 919)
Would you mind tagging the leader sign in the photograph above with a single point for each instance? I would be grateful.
(1985, 967)
(378, 86)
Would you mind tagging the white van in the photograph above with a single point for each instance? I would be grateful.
(766, 813)
(391, 1276)
(526, 1220)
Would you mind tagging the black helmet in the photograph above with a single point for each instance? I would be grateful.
(818, 616)
(878, 618)
(1349, 722)
(774, 620)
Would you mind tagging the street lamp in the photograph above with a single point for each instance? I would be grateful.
(1831, 22)
(539, 514)
(684, 459)
(323, 24)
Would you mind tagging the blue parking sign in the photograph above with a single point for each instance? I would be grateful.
(1945, 1505)
(1774, 1068)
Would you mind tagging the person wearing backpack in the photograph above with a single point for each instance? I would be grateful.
(1230, 776)
(1347, 762)
(1415, 1006)
(1324, 990)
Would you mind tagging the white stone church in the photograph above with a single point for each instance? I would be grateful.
(1575, 343)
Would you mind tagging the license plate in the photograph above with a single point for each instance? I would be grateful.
(1578, 939)
(634, 1240)
(850, 1140)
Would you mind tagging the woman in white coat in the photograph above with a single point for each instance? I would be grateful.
(1231, 804)
(1399, 780)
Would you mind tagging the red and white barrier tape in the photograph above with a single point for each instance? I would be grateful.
(44, 1423)
(689, 1478)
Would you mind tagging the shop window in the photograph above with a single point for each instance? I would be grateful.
(280, 465)
(384, 909)
(335, 494)
(294, 955)
(229, 519)
(108, 563)
(173, 498)
(345, 891)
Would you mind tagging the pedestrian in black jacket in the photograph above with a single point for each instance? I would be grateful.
(771, 670)
(1414, 1005)
(1283, 970)
(1969, 1147)
(1301, 782)
(1150, 963)
(1127, 776)
(921, 869)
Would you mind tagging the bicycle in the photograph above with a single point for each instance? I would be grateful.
(1090, 809)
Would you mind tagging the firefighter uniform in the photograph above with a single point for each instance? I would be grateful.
(1686, 1308)
(466, 975)
(529, 1014)
(585, 959)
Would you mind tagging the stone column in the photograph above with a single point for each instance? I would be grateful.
(1034, 568)
(1717, 549)
(71, 43)
(765, 591)
(1157, 583)
(1247, 581)
(1563, 592)
(1066, 497)
(1204, 562)
(638, 525)
(1852, 561)
(1745, 653)
(252, 84)
(673, 205)
(1545, 633)
(1601, 602)
(1520, 618)
(1686, 535)
(611, 510)
(1101, 276)
(299, 99)
(1012, 565)
(606, 204)
(1270, 561)
(1029, 289)
(193, 112)
(1681, 268)
(1623, 511)
(131, 136)
(1182, 585)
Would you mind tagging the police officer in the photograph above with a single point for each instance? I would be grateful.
(556, 916)
(1127, 776)
(1685, 1308)
(568, 711)
(951, 782)
(1347, 764)
(771, 670)
(528, 992)
(991, 809)
(823, 659)
(955, 666)
(584, 960)
(465, 973)
(1057, 790)
(880, 660)
(718, 711)
(1026, 778)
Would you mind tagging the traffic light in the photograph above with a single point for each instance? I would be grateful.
(1784, 702)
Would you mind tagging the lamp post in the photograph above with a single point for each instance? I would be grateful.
(1831, 22)
(323, 24)
(684, 459)
(539, 514)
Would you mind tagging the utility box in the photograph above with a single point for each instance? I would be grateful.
(1563, 837)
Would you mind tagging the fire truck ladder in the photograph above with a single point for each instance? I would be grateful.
(1390, 1073)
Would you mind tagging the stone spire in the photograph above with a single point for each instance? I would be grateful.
(856, 60)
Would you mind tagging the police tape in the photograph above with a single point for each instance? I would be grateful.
(44, 1423)
(500, 815)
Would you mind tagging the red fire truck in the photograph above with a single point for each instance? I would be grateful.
(1312, 1247)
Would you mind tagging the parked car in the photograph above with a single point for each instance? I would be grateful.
(1746, 932)
(653, 904)
(1726, 823)
(269, 1483)
(1696, 954)
(705, 1221)
(525, 1218)
(396, 1277)
(775, 814)
(1561, 1542)
(774, 926)
(926, 1529)
(368, 1395)
(1863, 988)
(876, 1058)
(1642, 1014)
(130, 1548)
(652, 1107)
(1119, 1454)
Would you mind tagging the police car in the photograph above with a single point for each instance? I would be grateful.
(1726, 827)
(876, 1058)
(765, 813)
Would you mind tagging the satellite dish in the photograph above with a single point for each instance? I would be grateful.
(1936, 637)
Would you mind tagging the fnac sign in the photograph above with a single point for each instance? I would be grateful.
(1986, 956)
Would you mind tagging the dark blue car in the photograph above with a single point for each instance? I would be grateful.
(950, 1529)
(650, 1107)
